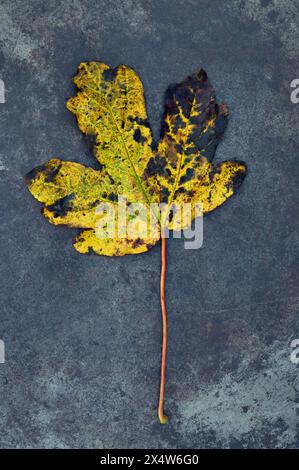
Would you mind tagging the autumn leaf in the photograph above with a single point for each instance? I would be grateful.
(111, 112)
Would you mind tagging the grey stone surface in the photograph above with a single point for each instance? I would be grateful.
(82, 333)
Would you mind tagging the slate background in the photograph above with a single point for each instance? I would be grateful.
(82, 333)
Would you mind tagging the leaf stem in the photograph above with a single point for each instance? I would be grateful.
(163, 419)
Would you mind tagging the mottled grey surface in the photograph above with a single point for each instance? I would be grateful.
(83, 333)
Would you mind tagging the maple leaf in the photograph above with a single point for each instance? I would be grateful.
(111, 112)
